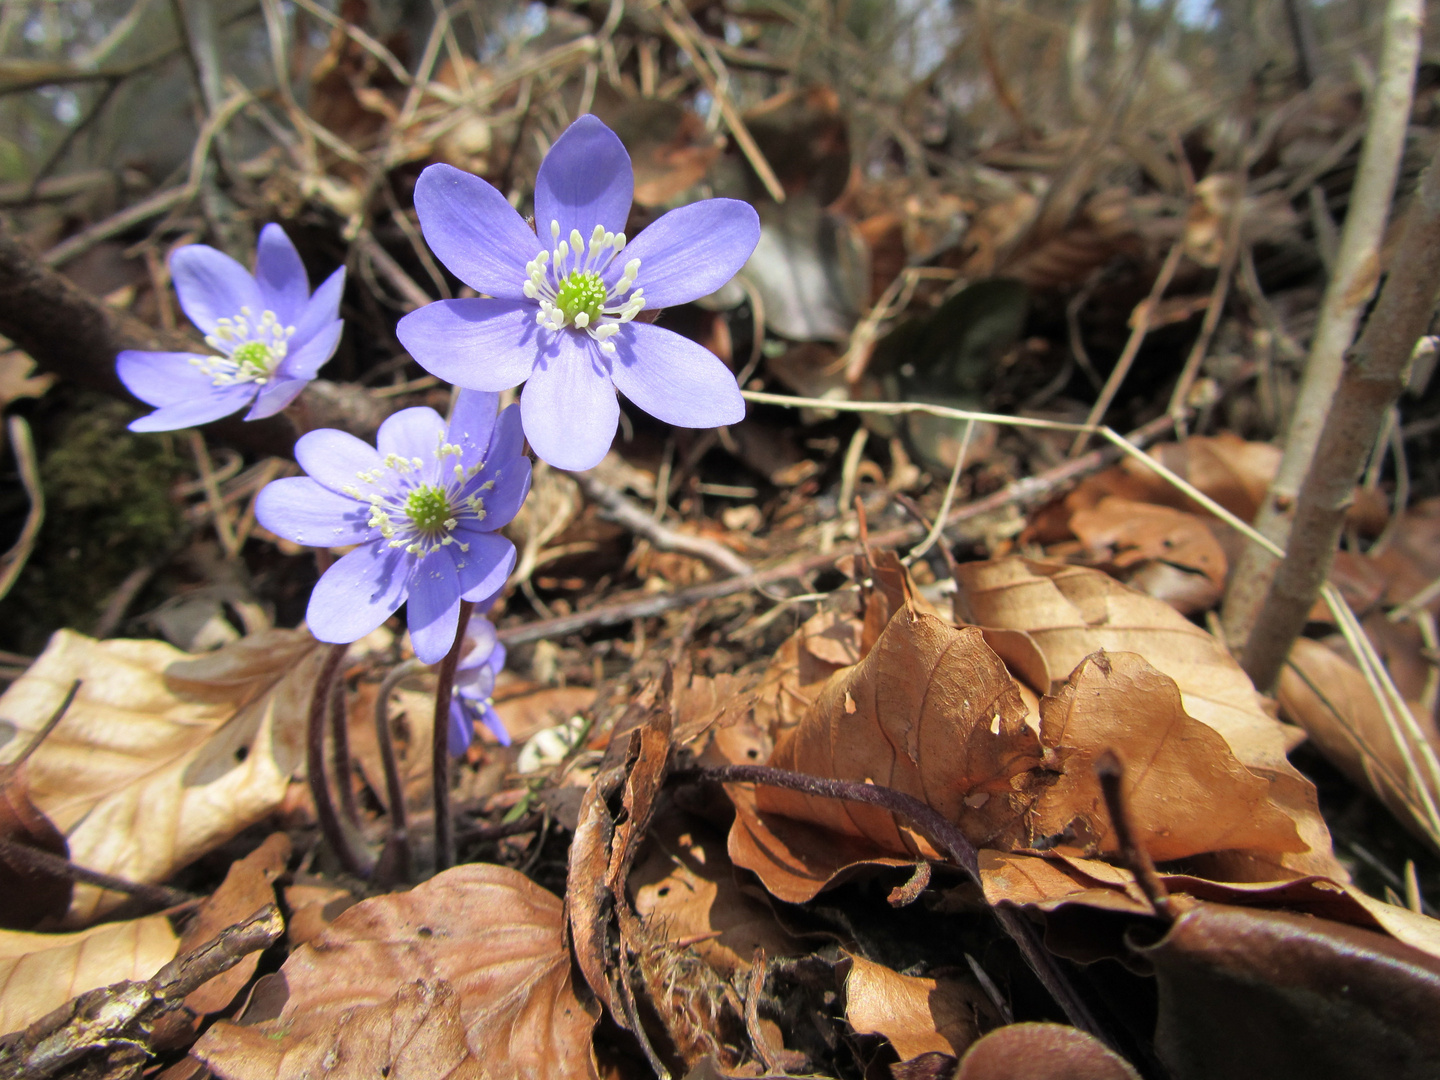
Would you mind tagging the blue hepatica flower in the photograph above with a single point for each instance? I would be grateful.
(562, 318)
(474, 686)
(423, 506)
(269, 334)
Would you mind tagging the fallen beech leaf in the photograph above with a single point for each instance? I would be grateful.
(685, 890)
(162, 755)
(932, 712)
(1127, 534)
(1185, 791)
(416, 1035)
(525, 714)
(29, 896)
(1250, 995)
(825, 643)
(916, 1015)
(1329, 697)
(248, 887)
(40, 972)
(1070, 612)
(312, 909)
(1042, 1052)
(495, 936)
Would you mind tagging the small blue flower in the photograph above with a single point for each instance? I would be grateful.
(269, 334)
(474, 686)
(423, 508)
(561, 309)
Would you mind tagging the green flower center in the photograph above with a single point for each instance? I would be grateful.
(581, 293)
(253, 358)
(428, 508)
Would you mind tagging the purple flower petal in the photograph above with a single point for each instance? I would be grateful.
(485, 567)
(322, 309)
(280, 275)
(433, 611)
(482, 635)
(218, 402)
(306, 360)
(358, 593)
(692, 251)
(474, 231)
(472, 422)
(299, 509)
(492, 720)
(275, 395)
(497, 657)
(163, 378)
(335, 459)
(511, 479)
(508, 441)
(462, 729)
(568, 407)
(480, 344)
(411, 433)
(585, 180)
(674, 379)
(212, 286)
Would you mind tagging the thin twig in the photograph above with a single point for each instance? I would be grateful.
(34, 859)
(1132, 854)
(440, 759)
(8, 769)
(27, 464)
(945, 833)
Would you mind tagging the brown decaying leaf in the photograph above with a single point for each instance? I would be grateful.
(931, 711)
(312, 909)
(28, 896)
(416, 1035)
(248, 887)
(162, 755)
(1132, 536)
(489, 932)
(1252, 995)
(1185, 791)
(1042, 1052)
(1329, 697)
(685, 890)
(40, 972)
(916, 1015)
(1070, 612)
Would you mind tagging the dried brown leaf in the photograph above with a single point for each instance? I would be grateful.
(495, 936)
(162, 755)
(29, 896)
(40, 972)
(1070, 612)
(917, 1015)
(1042, 1052)
(1130, 536)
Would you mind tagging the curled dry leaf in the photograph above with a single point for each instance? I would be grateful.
(932, 712)
(248, 887)
(40, 972)
(162, 755)
(1070, 612)
(1042, 1052)
(1252, 995)
(1139, 539)
(917, 1016)
(418, 1034)
(1185, 791)
(487, 931)
(1328, 696)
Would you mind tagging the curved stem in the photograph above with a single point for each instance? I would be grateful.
(397, 843)
(950, 839)
(340, 755)
(440, 760)
(330, 827)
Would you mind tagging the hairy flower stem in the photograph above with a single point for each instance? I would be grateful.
(396, 857)
(444, 823)
(947, 835)
(340, 755)
(330, 827)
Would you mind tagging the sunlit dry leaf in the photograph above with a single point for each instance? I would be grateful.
(1042, 1052)
(40, 972)
(162, 755)
(1070, 612)
(1127, 535)
(1328, 696)
(492, 934)
(1185, 791)
(417, 1035)
(932, 712)
(1252, 995)
(685, 890)
(247, 888)
(916, 1015)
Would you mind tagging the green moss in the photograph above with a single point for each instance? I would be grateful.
(108, 511)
